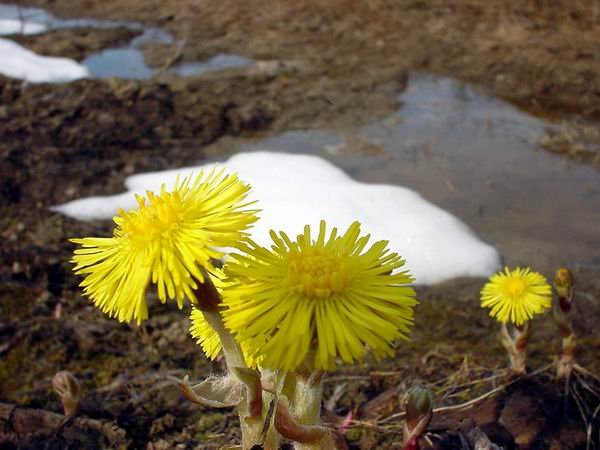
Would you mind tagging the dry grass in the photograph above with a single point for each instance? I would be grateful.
(576, 140)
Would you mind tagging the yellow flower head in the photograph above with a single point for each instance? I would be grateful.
(169, 240)
(516, 296)
(312, 301)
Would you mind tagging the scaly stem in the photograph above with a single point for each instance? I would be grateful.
(307, 399)
(301, 423)
(563, 284)
(515, 345)
(564, 365)
(251, 426)
(307, 405)
(252, 410)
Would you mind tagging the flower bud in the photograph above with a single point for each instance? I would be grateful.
(419, 410)
(418, 405)
(563, 283)
(69, 390)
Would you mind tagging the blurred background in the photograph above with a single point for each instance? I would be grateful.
(489, 109)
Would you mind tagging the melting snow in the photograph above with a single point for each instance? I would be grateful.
(19, 20)
(18, 62)
(294, 190)
(15, 26)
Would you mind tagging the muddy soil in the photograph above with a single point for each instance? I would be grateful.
(543, 56)
(322, 64)
(75, 43)
(130, 374)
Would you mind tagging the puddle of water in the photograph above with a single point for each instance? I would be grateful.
(123, 62)
(118, 62)
(220, 61)
(477, 157)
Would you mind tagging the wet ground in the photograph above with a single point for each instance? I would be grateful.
(476, 156)
(366, 84)
(108, 48)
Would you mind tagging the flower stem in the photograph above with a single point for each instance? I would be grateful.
(563, 284)
(307, 406)
(564, 365)
(252, 410)
(210, 305)
(515, 345)
(231, 349)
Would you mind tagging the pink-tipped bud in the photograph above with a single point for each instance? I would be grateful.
(419, 410)
(563, 283)
(69, 390)
(418, 405)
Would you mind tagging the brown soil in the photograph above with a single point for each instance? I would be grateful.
(75, 43)
(129, 373)
(323, 64)
(543, 56)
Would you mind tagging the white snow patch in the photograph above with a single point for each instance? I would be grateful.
(294, 190)
(15, 26)
(18, 62)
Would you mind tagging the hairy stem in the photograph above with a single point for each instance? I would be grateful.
(256, 427)
(307, 408)
(564, 365)
(515, 345)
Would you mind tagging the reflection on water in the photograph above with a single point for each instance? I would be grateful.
(220, 61)
(476, 157)
(126, 61)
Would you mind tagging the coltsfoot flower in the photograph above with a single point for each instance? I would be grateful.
(516, 296)
(308, 301)
(169, 240)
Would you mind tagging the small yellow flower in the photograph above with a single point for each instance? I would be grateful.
(169, 240)
(516, 296)
(312, 301)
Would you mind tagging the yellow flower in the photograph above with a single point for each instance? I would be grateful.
(312, 301)
(516, 296)
(169, 240)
